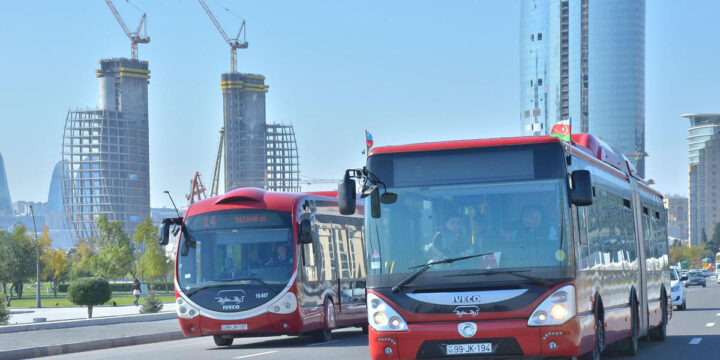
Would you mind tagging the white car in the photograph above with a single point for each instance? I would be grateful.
(677, 287)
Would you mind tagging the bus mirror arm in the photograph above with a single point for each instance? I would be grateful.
(581, 193)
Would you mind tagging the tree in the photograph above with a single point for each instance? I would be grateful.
(79, 257)
(713, 245)
(55, 267)
(17, 260)
(152, 304)
(153, 262)
(89, 292)
(115, 257)
(4, 312)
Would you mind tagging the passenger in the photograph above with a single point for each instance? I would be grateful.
(254, 260)
(229, 271)
(281, 257)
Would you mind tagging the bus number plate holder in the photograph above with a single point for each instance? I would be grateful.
(233, 327)
(478, 348)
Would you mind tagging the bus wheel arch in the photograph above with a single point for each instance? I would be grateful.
(324, 334)
(629, 345)
(660, 332)
(599, 315)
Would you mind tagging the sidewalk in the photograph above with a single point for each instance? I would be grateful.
(23, 345)
(26, 315)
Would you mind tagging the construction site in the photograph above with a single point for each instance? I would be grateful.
(105, 150)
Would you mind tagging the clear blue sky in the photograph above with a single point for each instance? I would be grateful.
(409, 71)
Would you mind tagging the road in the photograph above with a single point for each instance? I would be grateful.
(692, 334)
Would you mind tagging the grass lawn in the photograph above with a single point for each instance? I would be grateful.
(121, 299)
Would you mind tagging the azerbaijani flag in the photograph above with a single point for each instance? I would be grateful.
(368, 140)
(562, 130)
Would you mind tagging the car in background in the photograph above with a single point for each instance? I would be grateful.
(695, 278)
(677, 287)
(706, 273)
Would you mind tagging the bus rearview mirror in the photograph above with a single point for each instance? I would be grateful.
(346, 195)
(581, 193)
(305, 232)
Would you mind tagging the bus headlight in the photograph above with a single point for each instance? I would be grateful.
(382, 317)
(286, 305)
(558, 308)
(184, 310)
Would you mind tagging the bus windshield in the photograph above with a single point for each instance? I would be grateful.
(247, 247)
(521, 224)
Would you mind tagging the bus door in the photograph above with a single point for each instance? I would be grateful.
(641, 288)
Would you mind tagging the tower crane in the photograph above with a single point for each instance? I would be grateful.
(216, 175)
(135, 37)
(197, 190)
(234, 43)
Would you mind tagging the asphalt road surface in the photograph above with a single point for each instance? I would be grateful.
(692, 334)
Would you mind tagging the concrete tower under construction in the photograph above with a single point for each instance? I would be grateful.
(257, 154)
(105, 152)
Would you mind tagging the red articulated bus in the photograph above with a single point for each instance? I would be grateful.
(510, 248)
(258, 263)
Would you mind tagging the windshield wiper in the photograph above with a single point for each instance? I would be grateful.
(518, 273)
(424, 268)
(221, 283)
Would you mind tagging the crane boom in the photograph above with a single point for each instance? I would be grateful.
(217, 24)
(119, 19)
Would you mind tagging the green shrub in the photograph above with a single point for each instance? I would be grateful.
(4, 312)
(89, 292)
(151, 305)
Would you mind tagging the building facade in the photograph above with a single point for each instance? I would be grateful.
(257, 154)
(584, 60)
(677, 215)
(703, 175)
(106, 152)
(6, 205)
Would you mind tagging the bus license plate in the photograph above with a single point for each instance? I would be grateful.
(457, 349)
(231, 327)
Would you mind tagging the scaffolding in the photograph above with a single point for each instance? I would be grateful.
(283, 164)
(105, 170)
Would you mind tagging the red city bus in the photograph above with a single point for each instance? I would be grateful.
(510, 247)
(257, 263)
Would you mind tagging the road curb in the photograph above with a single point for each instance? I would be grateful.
(87, 322)
(51, 350)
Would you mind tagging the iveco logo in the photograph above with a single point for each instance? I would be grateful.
(466, 299)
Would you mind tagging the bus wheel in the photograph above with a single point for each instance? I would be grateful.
(222, 341)
(364, 329)
(630, 345)
(325, 333)
(599, 341)
(660, 332)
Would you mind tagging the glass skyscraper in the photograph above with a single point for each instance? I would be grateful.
(584, 60)
(703, 177)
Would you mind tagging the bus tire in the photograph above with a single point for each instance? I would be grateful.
(599, 334)
(222, 341)
(659, 333)
(630, 345)
(364, 329)
(325, 334)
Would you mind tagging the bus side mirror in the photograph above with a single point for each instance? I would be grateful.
(164, 234)
(581, 193)
(305, 235)
(346, 195)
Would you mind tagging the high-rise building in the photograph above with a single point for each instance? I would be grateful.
(703, 175)
(584, 60)
(105, 152)
(6, 206)
(257, 154)
(677, 215)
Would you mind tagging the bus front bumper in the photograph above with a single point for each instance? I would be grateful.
(508, 339)
(261, 325)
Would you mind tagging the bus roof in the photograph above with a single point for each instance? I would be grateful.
(586, 143)
(254, 198)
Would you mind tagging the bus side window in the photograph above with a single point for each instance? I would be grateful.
(582, 242)
(308, 253)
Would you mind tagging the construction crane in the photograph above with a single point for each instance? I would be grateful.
(234, 43)
(135, 37)
(311, 181)
(197, 190)
(216, 175)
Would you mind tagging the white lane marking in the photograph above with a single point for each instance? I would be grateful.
(710, 324)
(695, 341)
(322, 343)
(251, 355)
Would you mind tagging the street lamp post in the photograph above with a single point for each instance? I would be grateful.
(173, 202)
(38, 304)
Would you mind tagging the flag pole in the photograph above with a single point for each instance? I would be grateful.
(367, 150)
